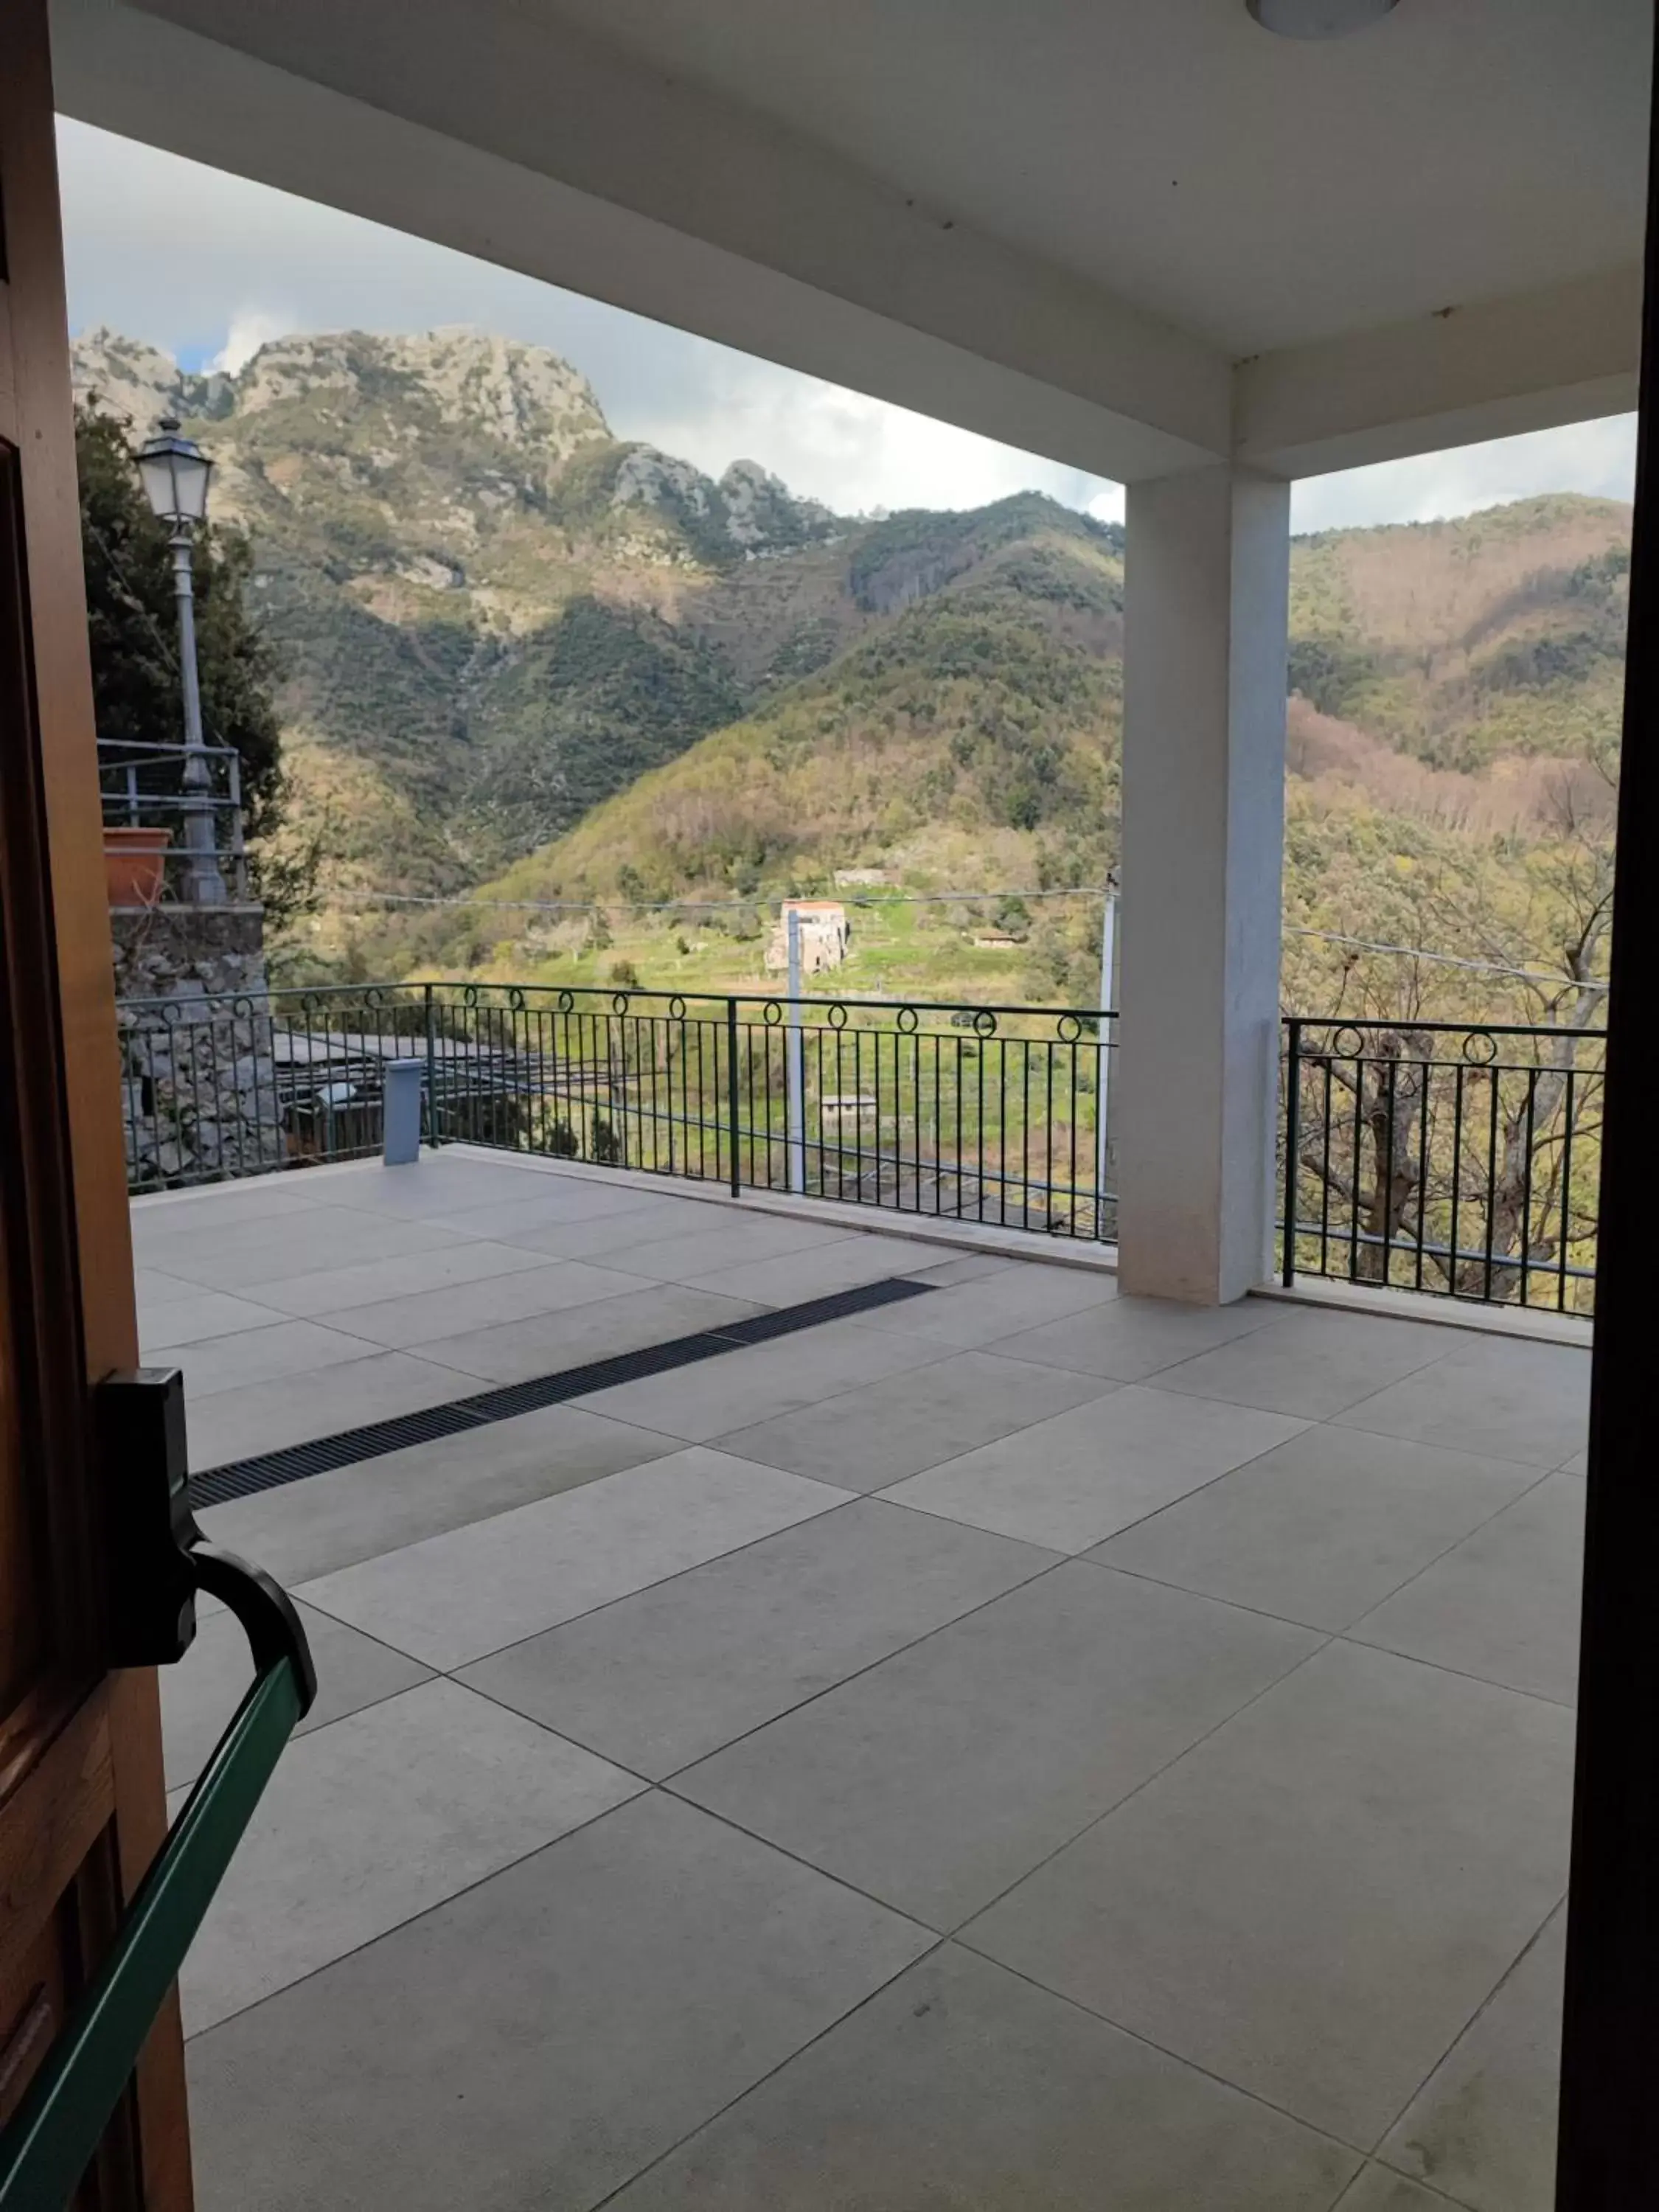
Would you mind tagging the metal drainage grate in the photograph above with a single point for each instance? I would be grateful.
(242, 1478)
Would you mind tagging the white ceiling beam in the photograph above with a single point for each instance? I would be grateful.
(1564, 355)
(501, 133)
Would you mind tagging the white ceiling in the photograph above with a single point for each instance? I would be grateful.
(1257, 192)
(1133, 235)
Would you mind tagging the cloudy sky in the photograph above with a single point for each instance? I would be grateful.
(244, 263)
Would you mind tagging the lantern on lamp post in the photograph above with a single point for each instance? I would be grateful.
(175, 472)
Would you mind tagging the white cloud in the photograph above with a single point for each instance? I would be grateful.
(1588, 456)
(842, 448)
(250, 329)
(261, 263)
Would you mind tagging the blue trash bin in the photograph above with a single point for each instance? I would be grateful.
(401, 1138)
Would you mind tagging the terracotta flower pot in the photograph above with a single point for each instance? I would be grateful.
(135, 865)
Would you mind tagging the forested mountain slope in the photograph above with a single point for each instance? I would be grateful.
(526, 659)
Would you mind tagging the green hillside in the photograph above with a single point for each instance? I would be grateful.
(629, 706)
(1450, 745)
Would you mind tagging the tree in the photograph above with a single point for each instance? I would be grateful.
(133, 630)
(1481, 1153)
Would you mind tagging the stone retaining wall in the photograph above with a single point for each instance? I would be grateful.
(198, 1078)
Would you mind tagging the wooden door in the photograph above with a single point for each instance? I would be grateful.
(82, 1804)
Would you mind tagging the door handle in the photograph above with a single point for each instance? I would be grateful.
(49, 2140)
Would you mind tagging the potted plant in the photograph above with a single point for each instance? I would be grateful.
(135, 864)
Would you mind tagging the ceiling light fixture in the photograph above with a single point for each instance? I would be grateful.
(1317, 19)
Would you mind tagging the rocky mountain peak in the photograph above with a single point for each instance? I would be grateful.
(140, 383)
(748, 512)
(518, 394)
(762, 510)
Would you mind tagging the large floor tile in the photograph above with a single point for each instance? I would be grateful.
(263, 1417)
(665, 1677)
(758, 1382)
(537, 1200)
(1503, 1605)
(720, 1240)
(1378, 2189)
(242, 1255)
(962, 1267)
(1127, 1338)
(439, 1183)
(257, 1198)
(1312, 1363)
(151, 1285)
(547, 1344)
(456, 1309)
(867, 1437)
(971, 1314)
(529, 2046)
(818, 1271)
(454, 1598)
(597, 1236)
(374, 1818)
(270, 1353)
(941, 1775)
(302, 1529)
(962, 2087)
(1515, 1400)
(1322, 1527)
(1482, 2128)
(1073, 1480)
(336, 1289)
(200, 1694)
(190, 1316)
(1312, 1903)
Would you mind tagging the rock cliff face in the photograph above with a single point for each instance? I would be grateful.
(479, 592)
(350, 411)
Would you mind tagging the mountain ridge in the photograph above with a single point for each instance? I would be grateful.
(528, 659)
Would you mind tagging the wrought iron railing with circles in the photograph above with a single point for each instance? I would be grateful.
(986, 1114)
(1455, 1158)
(991, 1113)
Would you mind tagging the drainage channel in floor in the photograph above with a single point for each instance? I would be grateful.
(242, 1478)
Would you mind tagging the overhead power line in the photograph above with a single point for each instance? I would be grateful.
(1447, 959)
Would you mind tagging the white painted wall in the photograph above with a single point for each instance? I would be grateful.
(1490, 370)
(1193, 1102)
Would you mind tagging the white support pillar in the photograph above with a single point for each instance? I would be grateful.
(1194, 1091)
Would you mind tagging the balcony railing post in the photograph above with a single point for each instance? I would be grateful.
(794, 1099)
(1292, 1145)
(238, 843)
(731, 1095)
(431, 1065)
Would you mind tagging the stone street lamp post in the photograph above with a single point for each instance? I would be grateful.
(174, 471)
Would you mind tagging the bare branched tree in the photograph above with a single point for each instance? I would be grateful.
(1476, 1153)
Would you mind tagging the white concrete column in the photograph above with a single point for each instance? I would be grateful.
(1195, 1090)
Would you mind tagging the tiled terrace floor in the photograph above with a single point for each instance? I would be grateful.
(1022, 1747)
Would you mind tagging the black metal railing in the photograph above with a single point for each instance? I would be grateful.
(141, 787)
(1427, 1156)
(215, 1087)
(988, 1114)
(1443, 1157)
